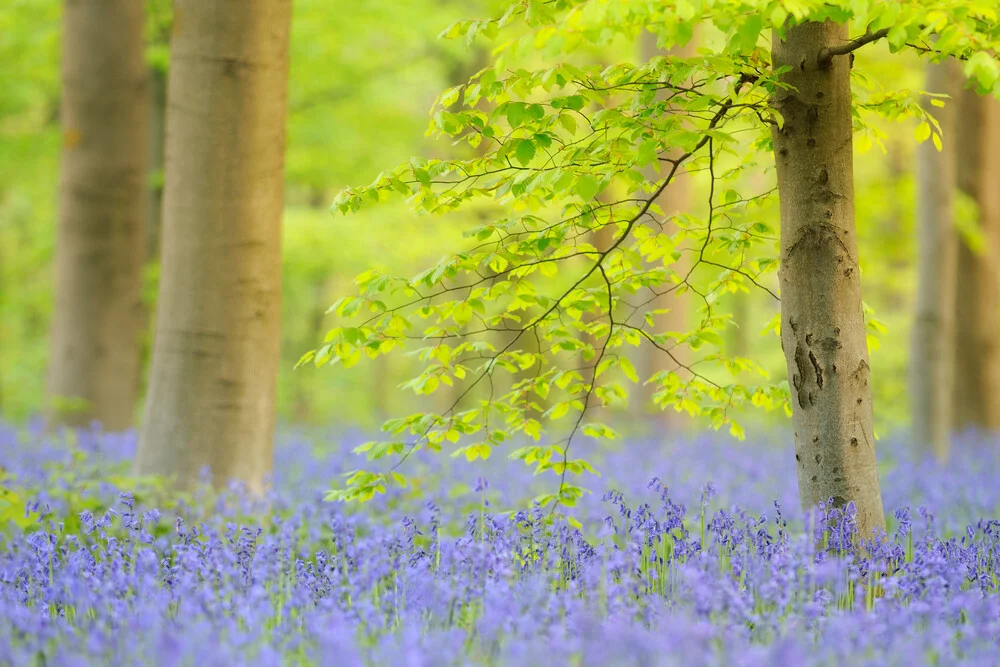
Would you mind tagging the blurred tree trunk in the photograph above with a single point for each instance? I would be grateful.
(822, 324)
(932, 352)
(157, 136)
(94, 364)
(676, 198)
(738, 339)
(738, 342)
(154, 207)
(303, 406)
(211, 398)
(977, 302)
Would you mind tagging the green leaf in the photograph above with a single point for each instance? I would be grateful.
(524, 151)
(747, 34)
(628, 369)
(984, 68)
(573, 102)
(516, 113)
(587, 187)
(422, 176)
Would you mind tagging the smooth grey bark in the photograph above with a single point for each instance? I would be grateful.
(94, 363)
(822, 324)
(211, 397)
(932, 352)
(977, 303)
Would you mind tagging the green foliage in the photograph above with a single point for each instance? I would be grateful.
(533, 308)
(78, 484)
(29, 141)
(351, 107)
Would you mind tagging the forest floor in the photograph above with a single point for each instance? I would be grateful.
(689, 553)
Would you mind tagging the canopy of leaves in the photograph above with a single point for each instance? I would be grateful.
(533, 318)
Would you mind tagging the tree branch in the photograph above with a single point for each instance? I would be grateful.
(826, 55)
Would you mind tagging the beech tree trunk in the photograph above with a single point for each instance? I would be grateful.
(977, 303)
(211, 398)
(932, 352)
(822, 325)
(93, 369)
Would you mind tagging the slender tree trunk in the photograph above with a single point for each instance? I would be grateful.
(932, 352)
(977, 304)
(157, 135)
(675, 199)
(738, 342)
(822, 325)
(98, 266)
(303, 407)
(211, 398)
(154, 208)
(738, 337)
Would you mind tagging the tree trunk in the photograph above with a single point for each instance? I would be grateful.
(154, 209)
(93, 369)
(211, 398)
(303, 406)
(977, 304)
(822, 325)
(156, 137)
(932, 353)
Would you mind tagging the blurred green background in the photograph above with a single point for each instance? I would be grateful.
(363, 78)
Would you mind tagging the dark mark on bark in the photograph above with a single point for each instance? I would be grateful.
(799, 379)
(817, 368)
(861, 372)
(830, 343)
